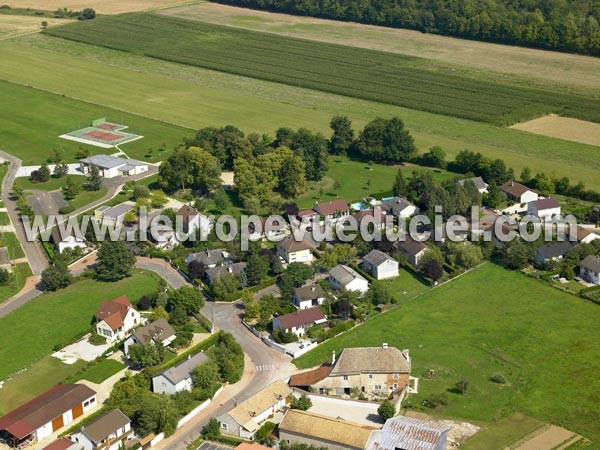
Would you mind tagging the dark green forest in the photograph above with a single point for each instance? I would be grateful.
(565, 25)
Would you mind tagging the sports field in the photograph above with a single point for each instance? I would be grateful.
(367, 74)
(194, 97)
(544, 342)
(102, 134)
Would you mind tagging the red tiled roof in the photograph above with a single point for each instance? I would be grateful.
(378, 218)
(546, 203)
(301, 317)
(113, 312)
(513, 188)
(311, 377)
(292, 245)
(187, 212)
(59, 444)
(307, 213)
(27, 418)
(332, 207)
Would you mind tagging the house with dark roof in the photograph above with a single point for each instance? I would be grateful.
(112, 215)
(480, 185)
(157, 332)
(210, 258)
(376, 218)
(334, 209)
(407, 433)
(399, 207)
(292, 250)
(214, 273)
(375, 371)
(344, 277)
(192, 221)
(46, 414)
(309, 295)
(299, 321)
(177, 378)
(380, 265)
(268, 227)
(306, 379)
(544, 208)
(108, 432)
(554, 251)
(116, 318)
(518, 193)
(413, 250)
(589, 269)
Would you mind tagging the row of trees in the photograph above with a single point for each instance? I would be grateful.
(560, 24)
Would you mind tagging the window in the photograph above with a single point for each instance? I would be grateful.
(370, 376)
(345, 377)
(224, 426)
(395, 376)
(377, 387)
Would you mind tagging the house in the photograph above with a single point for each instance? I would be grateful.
(308, 214)
(375, 217)
(307, 428)
(399, 207)
(380, 265)
(210, 258)
(378, 371)
(413, 250)
(45, 414)
(108, 432)
(246, 418)
(292, 250)
(70, 239)
(309, 295)
(407, 433)
(344, 277)
(5, 259)
(589, 269)
(192, 221)
(299, 321)
(178, 378)
(112, 215)
(158, 331)
(113, 166)
(63, 444)
(333, 209)
(309, 378)
(518, 193)
(586, 235)
(481, 185)
(268, 227)
(554, 251)
(214, 273)
(544, 208)
(116, 318)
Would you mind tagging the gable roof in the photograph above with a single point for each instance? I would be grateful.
(216, 272)
(209, 257)
(310, 377)
(63, 444)
(411, 246)
(582, 233)
(57, 236)
(27, 418)
(376, 216)
(183, 370)
(105, 425)
(109, 162)
(309, 292)
(117, 210)
(377, 258)
(344, 274)
(477, 181)
(159, 330)
(591, 262)
(332, 207)
(245, 412)
(409, 434)
(372, 360)
(325, 428)
(555, 249)
(302, 317)
(546, 203)
(307, 213)
(515, 189)
(395, 205)
(114, 312)
(290, 245)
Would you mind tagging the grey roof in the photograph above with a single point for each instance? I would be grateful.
(377, 258)
(217, 272)
(103, 427)
(591, 262)
(4, 257)
(395, 205)
(371, 360)
(309, 292)
(344, 274)
(118, 210)
(554, 250)
(183, 370)
(127, 168)
(209, 257)
(410, 434)
(109, 162)
(477, 181)
(411, 246)
(159, 330)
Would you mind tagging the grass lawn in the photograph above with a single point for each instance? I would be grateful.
(4, 219)
(199, 97)
(51, 185)
(503, 433)
(21, 271)
(86, 197)
(495, 321)
(10, 240)
(59, 317)
(41, 376)
(99, 372)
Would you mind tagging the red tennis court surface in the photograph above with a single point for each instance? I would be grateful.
(108, 126)
(102, 136)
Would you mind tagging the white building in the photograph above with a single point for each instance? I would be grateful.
(481, 185)
(116, 318)
(545, 208)
(113, 166)
(344, 277)
(193, 221)
(399, 207)
(309, 295)
(299, 321)
(404, 432)
(589, 269)
(112, 215)
(156, 332)
(516, 192)
(108, 432)
(68, 240)
(178, 378)
(292, 250)
(380, 265)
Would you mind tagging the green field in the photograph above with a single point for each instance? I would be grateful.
(51, 185)
(21, 271)
(10, 240)
(495, 321)
(56, 318)
(100, 372)
(32, 120)
(502, 433)
(351, 71)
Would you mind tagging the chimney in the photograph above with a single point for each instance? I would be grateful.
(230, 269)
(313, 288)
(333, 358)
(189, 357)
(384, 346)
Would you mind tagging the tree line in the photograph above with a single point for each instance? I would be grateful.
(563, 25)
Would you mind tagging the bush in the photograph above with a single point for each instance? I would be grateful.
(435, 400)
(66, 209)
(461, 386)
(386, 410)
(302, 403)
(498, 378)
(264, 433)
(96, 339)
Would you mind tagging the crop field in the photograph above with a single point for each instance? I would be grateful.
(563, 128)
(13, 25)
(355, 72)
(100, 6)
(492, 321)
(195, 97)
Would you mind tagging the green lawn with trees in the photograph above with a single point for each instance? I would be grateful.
(100, 371)
(487, 323)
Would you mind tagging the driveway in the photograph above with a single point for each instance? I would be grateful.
(81, 350)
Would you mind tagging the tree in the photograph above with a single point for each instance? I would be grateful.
(342, 137)
(276, 266)
(196, 269)
(222, 201)
(516, 254)
(70, 188)
(303, 403)
(495, 197)
(43, 173)
(148, 355)
(56, 156)
(212, 429)
(461, 386)
(87, 14)
(186, 298)
(292, 176)
(115, 261)
(432, 269)
(386, 410)
(295, 276)
(94, 180)
(140, 191)
(257, 269)
(464, 255)
(229, 357)
(386, 141)
(379, 293)
(4, 276)
(435, 157)
(525, 175)
(206, 378)
(60, 170)
(56, 276)
(399, 188)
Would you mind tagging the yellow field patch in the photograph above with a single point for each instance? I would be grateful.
(100, 6)
(563, 128)
(13, 25)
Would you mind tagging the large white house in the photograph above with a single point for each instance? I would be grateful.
(380, 265)
(344, 277)
(299, 321)
(309, 295)
(67, 240)
(589, 269)
(518, 193)
(113, 166)
(108, 432)
(178, 378)
(116, 318)
(544, 208)
(399, 207)
(292, 250)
